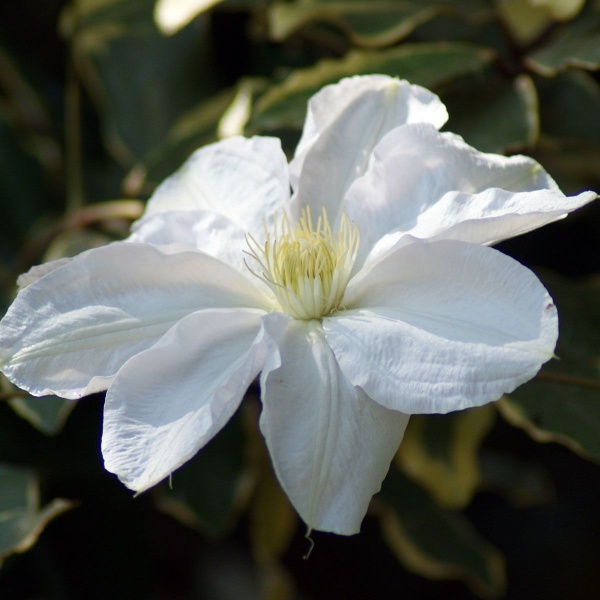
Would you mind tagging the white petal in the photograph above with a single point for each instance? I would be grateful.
(413, 104)
(200, 229)
(345, 123)
(70, 331)
(243, 179)
(424, 183)
(38, 271)
(441, 326)
(495, 215)
(330, 444)
(169, 401)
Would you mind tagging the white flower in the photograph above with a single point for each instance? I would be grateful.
(366, 296)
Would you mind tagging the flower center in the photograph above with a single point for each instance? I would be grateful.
(307, 267)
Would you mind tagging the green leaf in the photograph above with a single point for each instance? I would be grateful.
(73, 242)
(527, 19)
(23, 193)
(440, 453)
(524, 484)
(562, 10)
(374, 23)
(21, 519)
(570, 107)
(563, 403)
(47, 414)
(577, 44)
(284, 104)
(138, 78)
(573, 163)
(492, 114)
(208, 491)
(434, 542)
(524, 19)
(273, 521)
(197, 127)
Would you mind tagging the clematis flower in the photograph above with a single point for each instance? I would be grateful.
(357, 282)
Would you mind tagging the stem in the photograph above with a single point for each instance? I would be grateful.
(593, 384)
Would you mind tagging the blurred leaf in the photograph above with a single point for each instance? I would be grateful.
(139, 79)
(577, 44)
(273, 523)
(562, 10)
(374, 23)
(209, 120)
(25, 109)
(276, 584)
(436, 543)
(21, 520)
(494, 115)
(284, 104)
(440, 453)
(573, 163)
(222, 570)
(525, 19)
(235, 118)
(208, 491)
(524, 484)
(23, 194)
(563, 403)
(48, 414)
(73, 242)
(570, 107)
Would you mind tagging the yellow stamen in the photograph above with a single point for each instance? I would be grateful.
(307, 267)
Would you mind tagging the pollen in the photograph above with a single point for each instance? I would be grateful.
(308, 266)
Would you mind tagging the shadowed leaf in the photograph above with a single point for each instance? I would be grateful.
(522, 483)
(563, 403)
(284, 104)
(21, 519)
(570, 107)
(494, 115)
(575, 45)
(273, 522)
(209, 490)
(48, 414)
(118, 47)
(434, 542)
(374, 23)
(440, 452)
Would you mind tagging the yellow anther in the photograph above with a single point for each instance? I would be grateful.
(307, 267)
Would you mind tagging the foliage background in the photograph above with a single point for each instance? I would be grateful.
(100, 100)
